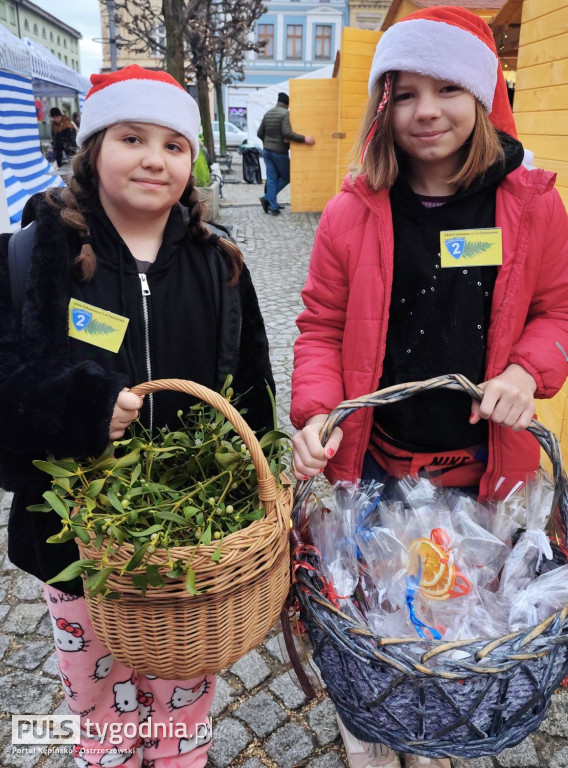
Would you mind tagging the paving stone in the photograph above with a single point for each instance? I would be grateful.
(4, 586)
(559, 759)
(223, 696)
(51, 667)
(45, 627)
(273, 647)
(60, 758)
(479, 762)
(556, 723)
(229, 739)
(19, 757)
(3, 612)
(251, 669)
(287, 691)
(27, 587)
(4, 643)
(522, 756)
(254, 762)
(331, 760)
(289, 745)
(22, 693)
(23, 618)
(28, 657)
(323, 722)
(261, 713)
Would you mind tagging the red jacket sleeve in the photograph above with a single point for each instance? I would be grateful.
(317, 381)
(542, 349)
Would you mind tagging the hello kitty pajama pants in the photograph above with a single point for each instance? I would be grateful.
(126, 718)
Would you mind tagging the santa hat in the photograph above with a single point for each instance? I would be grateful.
(138, 95)
(448, 43)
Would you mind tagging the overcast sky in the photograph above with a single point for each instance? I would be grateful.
(85, 17)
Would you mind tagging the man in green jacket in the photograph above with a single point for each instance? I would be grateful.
(276, 134)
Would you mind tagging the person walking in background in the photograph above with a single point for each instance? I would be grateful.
(276, 134)
(63, 134)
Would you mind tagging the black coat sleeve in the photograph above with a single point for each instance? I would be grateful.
(253, 372)
(47, 404)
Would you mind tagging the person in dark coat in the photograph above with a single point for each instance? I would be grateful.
(276, 133)
(127, 237)
(63, 135)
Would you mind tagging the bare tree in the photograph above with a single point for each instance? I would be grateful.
(206, 38)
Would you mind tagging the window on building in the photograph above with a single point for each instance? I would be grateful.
(36, 29)
(58, 40)
(294, 33)
(12, 14)
(66, 59)
(65, 42)
(323, 41)
(26, 25)
(44, 33)
(3, 10)
(266, 34)
(51, 36)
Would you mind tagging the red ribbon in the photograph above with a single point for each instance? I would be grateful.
(64, 624)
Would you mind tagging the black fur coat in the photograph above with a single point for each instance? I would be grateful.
(53, 402)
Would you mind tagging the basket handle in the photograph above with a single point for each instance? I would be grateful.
(454, 381)
(267, 488)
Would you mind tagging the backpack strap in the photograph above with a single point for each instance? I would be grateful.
(20, 247)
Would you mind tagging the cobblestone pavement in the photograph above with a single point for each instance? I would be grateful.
(260, 717)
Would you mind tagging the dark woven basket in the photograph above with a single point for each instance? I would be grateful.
(488, 697)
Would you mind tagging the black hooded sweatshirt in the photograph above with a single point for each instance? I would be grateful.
(438, 318)
(57, 394)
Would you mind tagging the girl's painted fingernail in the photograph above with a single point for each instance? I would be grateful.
(471, 418)
(330, 453)
(305, 477)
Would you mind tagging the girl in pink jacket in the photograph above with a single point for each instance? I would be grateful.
(441, 254)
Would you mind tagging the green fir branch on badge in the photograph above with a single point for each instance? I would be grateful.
(474, 249)
(98, 328)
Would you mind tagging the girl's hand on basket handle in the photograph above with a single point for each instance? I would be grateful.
(507, 399)
(309, 456)
(125, 412)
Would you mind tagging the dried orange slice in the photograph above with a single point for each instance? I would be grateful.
(442, 590)
(433, 561)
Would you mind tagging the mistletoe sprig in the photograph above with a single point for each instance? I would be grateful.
(187, 487)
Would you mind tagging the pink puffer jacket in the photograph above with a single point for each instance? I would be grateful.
(339, 354)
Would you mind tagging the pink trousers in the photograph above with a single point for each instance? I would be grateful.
(126, 718)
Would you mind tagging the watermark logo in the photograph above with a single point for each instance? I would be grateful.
(46, 729)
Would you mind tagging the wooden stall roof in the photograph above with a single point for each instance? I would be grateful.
(400, 8)
(506, 27)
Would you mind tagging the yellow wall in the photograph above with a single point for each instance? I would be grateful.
(541, 115)
(313, 111)
(331, 111)
(357, 50)
(541, 96)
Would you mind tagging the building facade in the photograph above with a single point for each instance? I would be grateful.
(24, 19)
(301, 36)
(368, 14)
(124, 53)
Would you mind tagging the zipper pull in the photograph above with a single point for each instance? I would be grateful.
(144, 284)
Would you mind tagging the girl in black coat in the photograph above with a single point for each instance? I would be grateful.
(118, 240)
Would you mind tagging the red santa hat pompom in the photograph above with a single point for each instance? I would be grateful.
(139, 95)
(448, 43)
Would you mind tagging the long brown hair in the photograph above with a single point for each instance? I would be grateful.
(380, 163)
(73, 203)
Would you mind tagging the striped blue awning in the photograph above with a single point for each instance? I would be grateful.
(25, 170)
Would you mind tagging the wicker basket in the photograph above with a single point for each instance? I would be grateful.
(174, 635)
(486, 697)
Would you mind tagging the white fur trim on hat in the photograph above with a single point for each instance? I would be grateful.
(439, 50)
(141, 101)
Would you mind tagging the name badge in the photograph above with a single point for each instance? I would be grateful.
(471, 247)
(95, 326)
